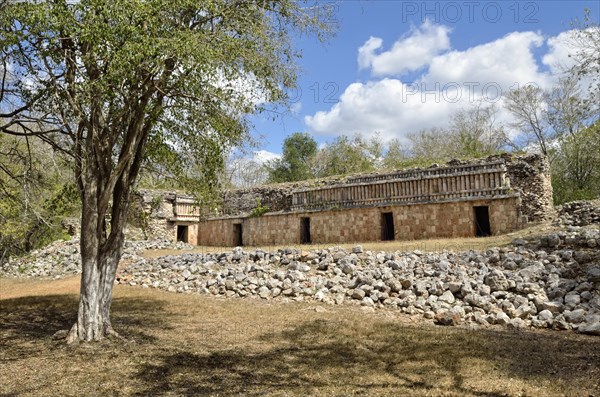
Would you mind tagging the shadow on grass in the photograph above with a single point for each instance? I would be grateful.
(381, 358)
(27, 320)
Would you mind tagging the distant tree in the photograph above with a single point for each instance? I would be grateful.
(395, 156)
(526, 104)
(576, 170)
(244, 172)
(112, 85)
(475, 132)
(347, 155)
(431, 144)
(294, 164)
(586, 43)
(562, 120)
(567, 109)
(35, 195)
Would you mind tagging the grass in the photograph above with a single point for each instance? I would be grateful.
(196, 345)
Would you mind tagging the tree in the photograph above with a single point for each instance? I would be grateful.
(242, 171)
(431, 144)
(294, 165)
(395, 155)
(35, 195)
(475, 132)
(561, 119)
(586, 43)
(111, 85)
(526, 104)
(576, 171)
(567, 109)
(347, 155)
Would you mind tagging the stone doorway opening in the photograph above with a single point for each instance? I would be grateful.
(482, 221)
(182, 233)
(237, 235)
(305, 231)
(387, 226)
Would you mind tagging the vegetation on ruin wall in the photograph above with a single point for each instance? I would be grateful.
(260, 209)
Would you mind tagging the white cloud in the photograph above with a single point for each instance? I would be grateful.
(387, 106)
(560, 47)
(296, 108)
(366, 53)
(246, 171)
(262, 156)
(411, 52)
(454, 80)
(506, 62)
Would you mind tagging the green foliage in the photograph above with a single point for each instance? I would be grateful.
(347, 155)
(35, 196)
(394, 156)
(586, 43)
(576, 169)
(260, 209)
(294, 165)
(471, 133)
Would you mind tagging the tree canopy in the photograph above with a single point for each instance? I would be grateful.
(113, 85)
(294, 164)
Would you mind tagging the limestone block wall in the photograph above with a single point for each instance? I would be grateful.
(450, 219)
(278, 197)
(499, 175)
(243, 201)
(425, 202)
(458, 182)
(217, 232)
(155, 214)
(192, 231)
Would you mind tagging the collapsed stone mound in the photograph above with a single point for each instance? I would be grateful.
(62, 258)
(552, 282)
(578, 213)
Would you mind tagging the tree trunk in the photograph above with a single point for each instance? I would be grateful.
(99, 260)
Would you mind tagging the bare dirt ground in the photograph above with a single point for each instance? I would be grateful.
(196, 345)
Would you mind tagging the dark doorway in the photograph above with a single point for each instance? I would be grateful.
(305, 230)
(182, 233)
(482, 221)
(237, 235)
(387, 226)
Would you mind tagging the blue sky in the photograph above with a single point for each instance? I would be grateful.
(399, 66)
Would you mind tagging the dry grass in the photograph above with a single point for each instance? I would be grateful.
(455, 244)
(195, 345)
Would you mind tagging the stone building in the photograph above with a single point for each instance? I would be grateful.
(164, 214)
(460, 199)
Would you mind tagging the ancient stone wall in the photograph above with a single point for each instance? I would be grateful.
(495, 176)
(451, 183)
(277, 197)
(530, 177)
(426, 202)
(452, 219)
(149, 215)
(156, 214)
(578, 213)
